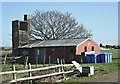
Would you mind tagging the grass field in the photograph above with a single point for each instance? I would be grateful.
(113, 51)
(101, 69)
(5, 52)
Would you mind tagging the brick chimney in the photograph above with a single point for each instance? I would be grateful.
(19, 30)
(26, 17)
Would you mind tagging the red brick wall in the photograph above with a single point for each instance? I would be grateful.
(80, 47)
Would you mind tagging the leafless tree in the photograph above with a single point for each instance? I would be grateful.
(56, 25)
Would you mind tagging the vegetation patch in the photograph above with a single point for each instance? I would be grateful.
(101, 69)
(5, 52)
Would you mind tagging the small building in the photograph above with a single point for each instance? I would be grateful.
(68, 49)
(49, 50)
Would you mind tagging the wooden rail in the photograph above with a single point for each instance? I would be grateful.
(38, 69)
(42, 76)
(14, 72)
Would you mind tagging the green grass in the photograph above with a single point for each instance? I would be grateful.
(101, 69)
(113, 51)
(5, 52)
(8, 67)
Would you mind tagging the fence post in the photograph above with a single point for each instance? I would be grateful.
(61, 61)
(29, 73)
(5, 59)
(58, 64)
(26, 61)
(14, 74)
(62, 65)
(36, 60)
(63, 75)
(57, 61)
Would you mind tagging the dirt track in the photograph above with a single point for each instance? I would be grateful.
(113, 77)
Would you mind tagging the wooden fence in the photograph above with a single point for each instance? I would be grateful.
(60, 72)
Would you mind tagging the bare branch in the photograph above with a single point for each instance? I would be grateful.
(55, 25)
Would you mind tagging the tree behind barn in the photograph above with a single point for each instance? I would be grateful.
(55, 25)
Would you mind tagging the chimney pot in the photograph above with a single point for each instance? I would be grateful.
(26, 17)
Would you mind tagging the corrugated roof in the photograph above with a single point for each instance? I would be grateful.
(48, 43)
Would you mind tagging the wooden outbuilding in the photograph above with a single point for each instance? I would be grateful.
(49, 50)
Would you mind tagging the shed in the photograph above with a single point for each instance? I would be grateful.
(49, 50)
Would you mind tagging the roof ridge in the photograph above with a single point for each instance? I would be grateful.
(57, 39)
(56, 42)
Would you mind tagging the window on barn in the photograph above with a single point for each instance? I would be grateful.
(92, 48)
(41, 52)
(88, 43)
(25, 53)
(61, 50)
(38, 52)
(85, 49)
(52, 50)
